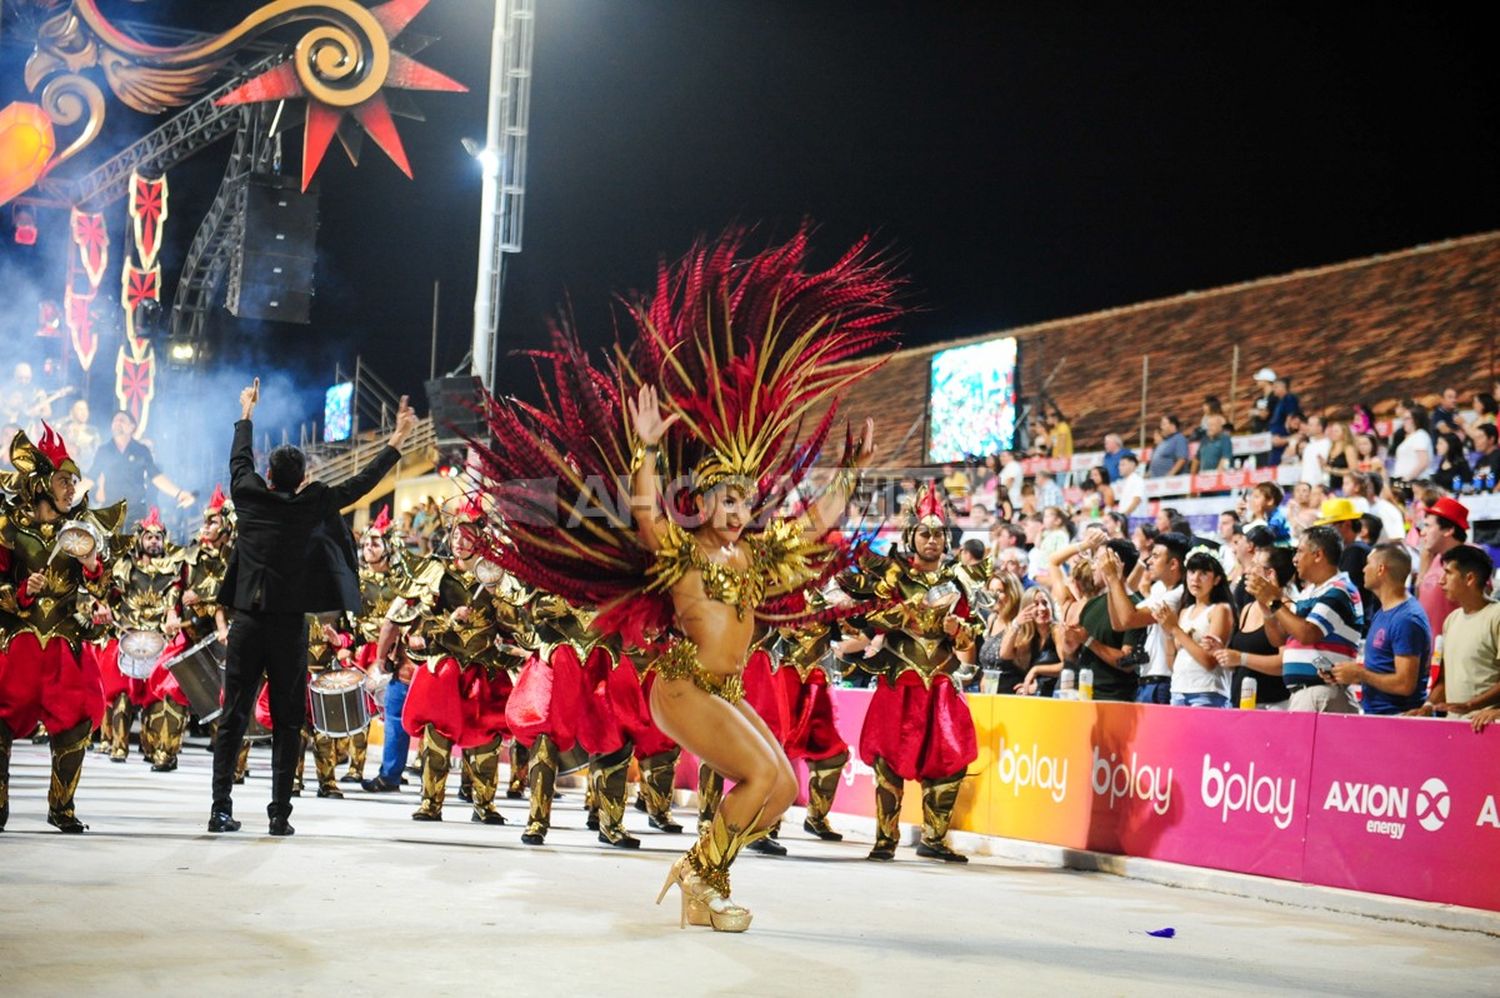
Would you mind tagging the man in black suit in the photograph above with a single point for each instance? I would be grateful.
(293, 556)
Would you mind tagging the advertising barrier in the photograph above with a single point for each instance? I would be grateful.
(1388, 805)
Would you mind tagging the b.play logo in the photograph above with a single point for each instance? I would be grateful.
(1022, 768)
(1230, 792)
(1131, 780)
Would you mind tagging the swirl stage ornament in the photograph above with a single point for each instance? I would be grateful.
(341, 64)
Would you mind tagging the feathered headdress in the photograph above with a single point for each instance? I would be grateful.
(217, 503)
(743, 347)
(36, 463)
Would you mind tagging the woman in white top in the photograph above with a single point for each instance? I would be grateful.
(1203, 623)
(1414, 453)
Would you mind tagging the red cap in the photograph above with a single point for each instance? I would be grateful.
(1451, 510)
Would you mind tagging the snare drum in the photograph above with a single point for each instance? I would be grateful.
(139, 651)
(80, 538)
(199, 670)
(337, 704)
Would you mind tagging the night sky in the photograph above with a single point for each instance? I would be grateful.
(1026, 161)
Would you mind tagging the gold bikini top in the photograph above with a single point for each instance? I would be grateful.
(782, 560)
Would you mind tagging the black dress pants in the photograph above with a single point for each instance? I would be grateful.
(273, 645)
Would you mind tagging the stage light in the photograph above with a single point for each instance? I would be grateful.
(183, 352)
(487, 156)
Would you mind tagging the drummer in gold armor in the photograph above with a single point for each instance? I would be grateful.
(148, 587)
(54, 577)
(920, 643)
(327, 648)
(473, 632)
(383, 575)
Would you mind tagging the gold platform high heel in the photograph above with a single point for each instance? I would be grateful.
(701, 904)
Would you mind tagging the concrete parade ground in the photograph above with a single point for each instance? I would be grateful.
(362, 900)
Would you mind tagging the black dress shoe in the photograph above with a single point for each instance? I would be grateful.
(68, 824)
(222, 821)
(623, 842)
(940, 850)
(664, 825)
(333, 792)
(767, 847)
(532, 838)
(281, 826)
(379, 786)
(822, 831)
(882, 855)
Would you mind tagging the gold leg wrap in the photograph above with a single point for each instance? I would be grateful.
(356, 747)
(242, 764)
(541, 773)
(5, 739)
(117, 727)
(167, 723)
(148, 739)
(938, 798)
(888, 790)
(465, 776)
(68, 749)
(301, 761)
(658, 773)
(326, 760)
(608, 779)
(710, 795)
(716, 849)
(520, 769)
(436, 759)
(483, 764)
(822, 783)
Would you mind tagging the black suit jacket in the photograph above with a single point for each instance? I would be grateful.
(293, 553)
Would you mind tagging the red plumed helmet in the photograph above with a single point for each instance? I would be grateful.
(381, 523)
(217, 500)
(54, 449)
(469, 511)
(152, 522)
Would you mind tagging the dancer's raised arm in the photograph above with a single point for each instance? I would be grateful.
(645, 491)
(829, 508)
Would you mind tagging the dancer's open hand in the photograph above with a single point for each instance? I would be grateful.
(646, 418)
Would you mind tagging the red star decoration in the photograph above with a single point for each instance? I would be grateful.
(373, 115)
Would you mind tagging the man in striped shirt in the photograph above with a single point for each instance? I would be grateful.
(1319, 630)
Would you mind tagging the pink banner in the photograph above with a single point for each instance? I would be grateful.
(1219, 788)
(1406, 807)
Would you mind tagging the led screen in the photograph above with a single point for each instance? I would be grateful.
(973, 400)
(338, 412)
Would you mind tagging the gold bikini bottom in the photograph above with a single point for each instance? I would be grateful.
(680, 661)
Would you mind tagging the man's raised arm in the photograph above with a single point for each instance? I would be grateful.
(350, 492)
(242, 453)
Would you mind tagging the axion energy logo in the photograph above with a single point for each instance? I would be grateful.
(1228, 791)
(1022, 767)
(1386, 808)
(1122, 779)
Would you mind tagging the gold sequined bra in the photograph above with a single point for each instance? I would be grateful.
(781, 560)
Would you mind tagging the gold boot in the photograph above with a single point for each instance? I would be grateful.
(168, 723)
(519, 771)
(436, 756)
(5, 739)
(938, 799)
(68, 749)
(541, 773)
(484, 768)
(888, 790)
(117, 728)
(710, 794)
(326, 764)
(608, 776)
(658, 773)
(358, 746)
(822, 783)
(301, 762)
(702, 875)
(242, 764)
